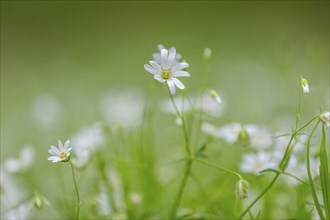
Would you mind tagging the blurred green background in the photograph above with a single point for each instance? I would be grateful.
(78, 50)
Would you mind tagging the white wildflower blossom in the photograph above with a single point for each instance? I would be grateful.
(325, 117)
(23, 162)
(123, 110)
(256, 162)
(62, 153)
(168, 69)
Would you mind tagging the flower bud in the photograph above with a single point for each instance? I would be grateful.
(241, 189)
(39, 201)
(304, 85)
(243, 137)
(325, 117)
(207, 54)
(215, 96)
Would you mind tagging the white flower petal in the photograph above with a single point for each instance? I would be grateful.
(60, 145)
(55, 149)
(70, 148)
(53, 158)
(171, 55)
(181, 74)
(164, 57)
(159, 78)
(171, 86)
(180, 66)
(178, 83)
(150, 69)
(155, 65)
(66, 145)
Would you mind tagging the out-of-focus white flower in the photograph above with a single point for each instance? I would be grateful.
(325, 117)
(168, 69)
(11, 199)
(178, 121)
(136, 198)
(23, 162)
(315, 167)
(254, 163)
(157, 56)
(229, 132)
(259, 136)
(103, 203)
(208, 105)
(209, 129)
(123, 110)
(242, 189)
(46, 110)
(304, 85)
(117, 195)
(282, 142)
(85, 142)
(296, 169)
(62, 153)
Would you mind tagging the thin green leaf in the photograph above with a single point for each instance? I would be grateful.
(324, 174)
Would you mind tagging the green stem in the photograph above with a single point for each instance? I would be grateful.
(184, 128)
(310, 178)
(77, 192)
(189, 162)
(219, 168)
(282, 166)
(181, 189)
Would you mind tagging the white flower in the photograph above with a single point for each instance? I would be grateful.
(46, 111)
(254, 163)
(168, 69)
(157, 56)
(23, 162)
(85, 142)
(304, 85)
(259, 136)
(123, 110)
(209, 104)
(325, 117)
(229, 132)
(62, 153)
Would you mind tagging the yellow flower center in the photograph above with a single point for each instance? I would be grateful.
(166, 73)
(63, 154)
